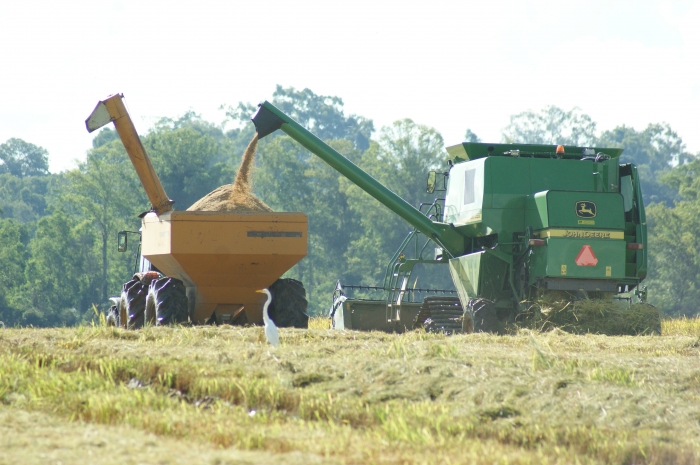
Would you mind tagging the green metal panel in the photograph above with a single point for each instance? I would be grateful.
(479, 274)
(465, 275)
(474, 150)
(510, 181)
(585, 210)
(504, 221)
(558, 259)
(536, 215)
(565, 175)
(370, 315)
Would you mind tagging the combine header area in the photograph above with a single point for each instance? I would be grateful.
(204, 266)
(518, 222)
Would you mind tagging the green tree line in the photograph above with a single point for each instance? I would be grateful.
(58, 257)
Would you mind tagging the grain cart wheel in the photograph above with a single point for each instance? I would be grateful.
(440, 315)
(166, 302)
(288, 306)
(484, 316)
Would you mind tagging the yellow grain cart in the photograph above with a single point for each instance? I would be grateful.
(205, 266)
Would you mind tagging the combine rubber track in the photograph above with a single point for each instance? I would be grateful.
(440, 315)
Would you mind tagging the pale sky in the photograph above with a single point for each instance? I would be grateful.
(451, 65)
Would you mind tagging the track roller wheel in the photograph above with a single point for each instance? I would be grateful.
(440, 315)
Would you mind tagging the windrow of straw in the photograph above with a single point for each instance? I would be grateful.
(594, 316)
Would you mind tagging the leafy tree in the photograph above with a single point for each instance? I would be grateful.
(675, 257)
(24, 198)
(13, 256)
(685, 178)
(322, 115)
(62, 272)
(105, 136)
(104, 191)
(655, 150)
(552, 125)
(470, 136)
(188, 163)
(400, 160)
(21, 158)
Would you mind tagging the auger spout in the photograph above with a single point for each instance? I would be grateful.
(269, 118)
(112, 109)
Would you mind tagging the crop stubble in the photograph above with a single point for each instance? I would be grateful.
(348, 397)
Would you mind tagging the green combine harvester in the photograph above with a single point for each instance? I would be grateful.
(517, 223)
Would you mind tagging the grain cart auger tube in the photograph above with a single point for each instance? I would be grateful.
(204, 266)
(520, 222)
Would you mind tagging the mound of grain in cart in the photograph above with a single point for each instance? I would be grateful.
(236, 197)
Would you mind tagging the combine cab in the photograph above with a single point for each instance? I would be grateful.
(517, 222)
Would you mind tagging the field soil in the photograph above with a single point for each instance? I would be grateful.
(222, 395)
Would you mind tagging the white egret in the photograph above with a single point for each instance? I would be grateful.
(271, 333)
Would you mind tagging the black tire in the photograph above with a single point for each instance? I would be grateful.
(112, 317)
(289, 305)
(134, 301)
(485, 316)
(440, 315)
(166, 302)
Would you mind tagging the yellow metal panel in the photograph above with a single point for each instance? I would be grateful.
(226, 256)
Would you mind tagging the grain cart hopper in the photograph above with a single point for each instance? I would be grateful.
(210, 263)
(518, 221)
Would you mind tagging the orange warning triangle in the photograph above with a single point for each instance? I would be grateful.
(586, 257)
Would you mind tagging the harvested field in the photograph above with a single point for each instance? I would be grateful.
(221, 395)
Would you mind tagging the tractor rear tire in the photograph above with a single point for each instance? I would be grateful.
(485, 316)
(166, 302)
(134, 301)
(440, 315)
(289, 305)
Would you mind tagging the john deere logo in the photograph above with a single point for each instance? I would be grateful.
(585, 209)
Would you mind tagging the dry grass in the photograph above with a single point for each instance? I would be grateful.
(591, 316)
(681, 326)
(347, 397)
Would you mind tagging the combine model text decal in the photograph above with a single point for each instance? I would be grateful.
(581, 234)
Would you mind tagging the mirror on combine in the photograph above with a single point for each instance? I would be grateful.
(432, 180)
(121, 241)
